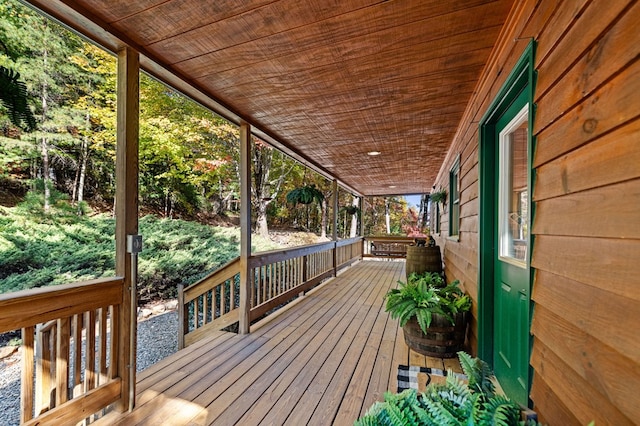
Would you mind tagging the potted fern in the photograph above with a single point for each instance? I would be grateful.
(433, 316)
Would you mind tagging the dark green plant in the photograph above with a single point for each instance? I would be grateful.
(350, 209)
(13, 94)
(451, 403)
(439, 196)
(305, 195)
(423, 296)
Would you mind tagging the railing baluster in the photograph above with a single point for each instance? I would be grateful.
(102, 346)
(77, 355)
(26, 382)
(205, 307)
(90, 351)
(115, 314)
(196, 311)
(62, 361)
(52, 378)
(223, 302)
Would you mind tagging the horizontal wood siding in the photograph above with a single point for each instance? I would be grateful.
(587, 204)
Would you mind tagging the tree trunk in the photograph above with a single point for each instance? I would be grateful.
(261, 219)
(262, 158)
(46, 178)
(324, 219)
(387, 215)
(84, 155)
(44, 143)
(354, 219)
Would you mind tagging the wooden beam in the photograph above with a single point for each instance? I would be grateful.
(360, 217)
(128, 101)
(245, 227)
(334, 219)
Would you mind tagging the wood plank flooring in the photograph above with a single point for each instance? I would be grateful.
(324, 360)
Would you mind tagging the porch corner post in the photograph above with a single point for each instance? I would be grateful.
(334, 236)
(246, 278)
(126, 212)
(361, 223)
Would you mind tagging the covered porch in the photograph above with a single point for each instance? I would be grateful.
(325, 359)
(382, 98)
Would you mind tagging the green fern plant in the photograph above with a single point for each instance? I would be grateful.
(452, 403)
(423, 296)
(13, 95)
(305, 195)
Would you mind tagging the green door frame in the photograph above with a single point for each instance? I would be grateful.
(523, 75)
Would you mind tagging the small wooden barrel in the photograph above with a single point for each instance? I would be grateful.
(443, 340)
(423, 259)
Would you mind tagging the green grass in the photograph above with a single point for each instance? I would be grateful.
(38, 250)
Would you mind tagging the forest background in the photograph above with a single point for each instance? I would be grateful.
(57, 178)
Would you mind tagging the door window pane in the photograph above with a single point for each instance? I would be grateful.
(514, 196)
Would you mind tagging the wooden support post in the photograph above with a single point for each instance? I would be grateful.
(127, 215)
(360, 216)
(335, 227)
(183, 316)
(246, 276)
(361, 224)
(26, 383)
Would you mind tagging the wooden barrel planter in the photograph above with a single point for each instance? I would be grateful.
(423, 259)
(442, 340)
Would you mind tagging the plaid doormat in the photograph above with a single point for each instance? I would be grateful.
(418, 378)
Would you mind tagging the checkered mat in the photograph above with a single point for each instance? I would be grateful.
(418, 378)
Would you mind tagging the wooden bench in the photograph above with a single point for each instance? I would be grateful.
(389, 249)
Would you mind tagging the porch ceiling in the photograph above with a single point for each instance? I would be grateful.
(327, 80)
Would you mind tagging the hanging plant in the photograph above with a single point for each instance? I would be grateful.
(305, 195)
(438, 196)
(350, 209)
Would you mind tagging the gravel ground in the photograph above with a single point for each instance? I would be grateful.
(157, 339)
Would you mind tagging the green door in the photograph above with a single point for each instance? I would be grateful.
(511, 228)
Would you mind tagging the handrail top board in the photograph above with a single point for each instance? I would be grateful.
(26, 308)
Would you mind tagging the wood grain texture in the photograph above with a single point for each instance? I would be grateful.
(550, 409)
(599, 364)
(577, 393)
(74, 411)
(27, 373)
(606, 264)
(601, 314)
(573, 214)
(594, 67)
(593, 117)
(27, 308)
(324, 359)
(611, 159)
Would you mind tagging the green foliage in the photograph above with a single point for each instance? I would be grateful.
(13, 94)
(478, 373)
(423, 296)
(438, 196)
(305, 195)
(452, 403)
(61, 248)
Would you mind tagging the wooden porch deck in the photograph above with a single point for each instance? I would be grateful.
(324, 360)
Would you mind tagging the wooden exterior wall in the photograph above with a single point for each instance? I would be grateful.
(586, 250)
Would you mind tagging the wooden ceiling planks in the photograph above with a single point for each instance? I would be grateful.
(331, 80)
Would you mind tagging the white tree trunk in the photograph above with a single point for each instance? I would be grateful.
(354, 219)
(387, 215)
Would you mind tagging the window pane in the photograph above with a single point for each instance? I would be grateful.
(514, 196)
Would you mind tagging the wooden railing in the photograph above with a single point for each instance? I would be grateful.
(387, 246)
(209, 304)
(69, 349)
(277, 277)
